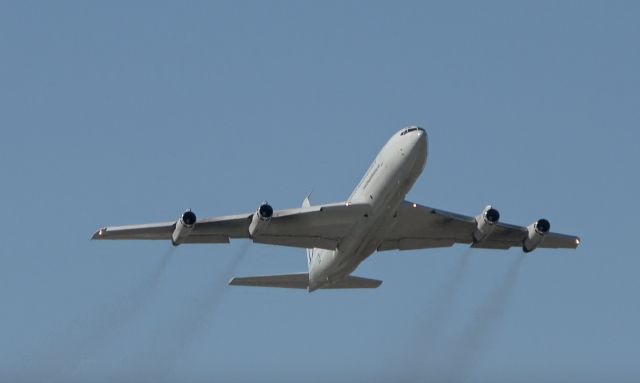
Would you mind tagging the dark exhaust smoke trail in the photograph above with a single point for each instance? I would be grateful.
(208, 304)
(474, 338)
(436, 317)
(201, 314)
(110, 319)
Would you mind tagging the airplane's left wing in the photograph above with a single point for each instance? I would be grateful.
(211, 230)
(420, 227)
(321, 226)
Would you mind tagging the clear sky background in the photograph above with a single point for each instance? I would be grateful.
(130, 112)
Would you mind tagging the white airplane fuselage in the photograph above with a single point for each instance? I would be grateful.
(383, 187)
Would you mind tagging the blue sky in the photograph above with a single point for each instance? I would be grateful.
(121, 112)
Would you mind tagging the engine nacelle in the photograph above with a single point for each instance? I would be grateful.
(535, 235)
(486, 224)
(184, 226)
(260, 219)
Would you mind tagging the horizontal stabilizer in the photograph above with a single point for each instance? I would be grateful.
(301, 281)
(352, 282)
(287, 281)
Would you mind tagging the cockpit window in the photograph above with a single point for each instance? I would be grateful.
(411, 130)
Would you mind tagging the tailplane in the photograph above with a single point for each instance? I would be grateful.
(287, 281)
(301, 281)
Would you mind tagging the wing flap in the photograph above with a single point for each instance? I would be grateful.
(305, 242)
(416, 243)
(493, 244)
(206, 239)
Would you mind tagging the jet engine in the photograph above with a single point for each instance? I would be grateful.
(260, 219)
(486, 223)
(535, 235)
(183, 227)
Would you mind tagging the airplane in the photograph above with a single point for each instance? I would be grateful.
(340, 236)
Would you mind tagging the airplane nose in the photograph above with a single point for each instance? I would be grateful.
(414, 139)
(420, 139)
(420, 143)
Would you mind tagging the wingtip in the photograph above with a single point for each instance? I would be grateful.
(99, 233)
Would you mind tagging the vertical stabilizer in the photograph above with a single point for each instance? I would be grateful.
(307, 201)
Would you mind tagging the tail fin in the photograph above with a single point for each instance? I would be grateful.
(307, 201)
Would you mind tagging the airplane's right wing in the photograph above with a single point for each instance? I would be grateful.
(420, 227)
(321, 226)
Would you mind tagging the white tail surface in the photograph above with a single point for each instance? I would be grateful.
(301, 281)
